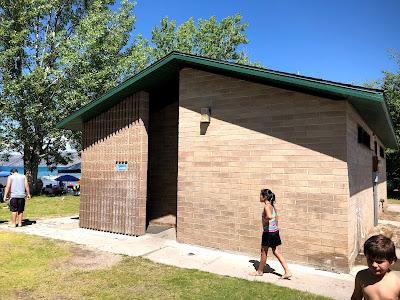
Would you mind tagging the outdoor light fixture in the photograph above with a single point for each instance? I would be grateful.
(205, 115)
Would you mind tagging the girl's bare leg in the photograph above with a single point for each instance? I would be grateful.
(282, 260)
(263, 262)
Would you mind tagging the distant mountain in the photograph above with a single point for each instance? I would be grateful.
(15, 160)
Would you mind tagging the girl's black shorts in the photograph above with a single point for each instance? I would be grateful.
(271, 239)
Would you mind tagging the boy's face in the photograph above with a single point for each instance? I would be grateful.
(378, 267)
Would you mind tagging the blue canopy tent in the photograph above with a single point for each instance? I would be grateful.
(4, 173)
(3, 177)
(67, 178)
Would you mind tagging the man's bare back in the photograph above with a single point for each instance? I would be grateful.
(372, 287)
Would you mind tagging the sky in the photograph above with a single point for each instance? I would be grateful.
(344, 41)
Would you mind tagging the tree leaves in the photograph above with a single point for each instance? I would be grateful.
(208, 38)
(56, 56)
(391, 87)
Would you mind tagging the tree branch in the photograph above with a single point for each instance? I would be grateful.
(45, 37)
(37, 41)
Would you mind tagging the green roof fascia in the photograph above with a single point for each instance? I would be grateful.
(363, 99)
(390, 140)
(373, 114)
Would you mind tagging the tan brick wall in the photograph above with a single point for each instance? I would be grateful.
(361, 205)
(110, 200)
(262, 137)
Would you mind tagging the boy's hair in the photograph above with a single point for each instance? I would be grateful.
(380, 247)
(14, 170)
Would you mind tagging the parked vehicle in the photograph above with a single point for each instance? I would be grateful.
(53, 190)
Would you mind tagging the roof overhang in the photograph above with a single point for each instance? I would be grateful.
(370, 103)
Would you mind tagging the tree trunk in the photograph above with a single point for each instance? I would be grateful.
(31, 166)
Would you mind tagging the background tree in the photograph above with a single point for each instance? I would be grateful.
(390, 84)
(391, 87)
(56, 55)
(208, 38)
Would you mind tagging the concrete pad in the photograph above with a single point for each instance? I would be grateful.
(394, 208)
(160, 246)
(180, 257)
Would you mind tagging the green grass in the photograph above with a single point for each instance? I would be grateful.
(393, 201)
(45, 206)
(30, 269)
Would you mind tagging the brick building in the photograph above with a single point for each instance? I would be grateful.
(190, 141)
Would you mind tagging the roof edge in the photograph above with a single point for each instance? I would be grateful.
(179, 60)
(394, 143)
(280, 73)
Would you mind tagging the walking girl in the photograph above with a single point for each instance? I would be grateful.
(270, 236)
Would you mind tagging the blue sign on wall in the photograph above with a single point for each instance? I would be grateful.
(121, 166)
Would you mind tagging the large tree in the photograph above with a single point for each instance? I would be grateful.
(55, 55)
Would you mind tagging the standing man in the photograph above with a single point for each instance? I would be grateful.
(16, 185)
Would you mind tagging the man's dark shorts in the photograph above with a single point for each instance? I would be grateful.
(17, 205)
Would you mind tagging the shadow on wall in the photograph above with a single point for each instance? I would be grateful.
(107, 124)
(313, 122)
(113, 167)
(162, 129)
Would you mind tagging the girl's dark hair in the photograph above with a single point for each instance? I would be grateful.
(380, 247)
(269, 195)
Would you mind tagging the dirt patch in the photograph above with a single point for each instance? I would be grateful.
(23, 294)
(84, 258)
(396, 237)
(390, 216)
(60, 297)
(392, 232)
(389, 230)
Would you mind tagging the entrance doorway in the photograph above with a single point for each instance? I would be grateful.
(161, 207)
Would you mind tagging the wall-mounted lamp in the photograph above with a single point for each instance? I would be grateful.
(205, 115)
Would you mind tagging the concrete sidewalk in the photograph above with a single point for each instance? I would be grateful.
(160, 246)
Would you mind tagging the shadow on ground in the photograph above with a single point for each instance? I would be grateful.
(27, 222)
(155, 229)
(267, 268)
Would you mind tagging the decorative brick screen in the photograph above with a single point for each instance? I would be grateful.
(114, 199)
